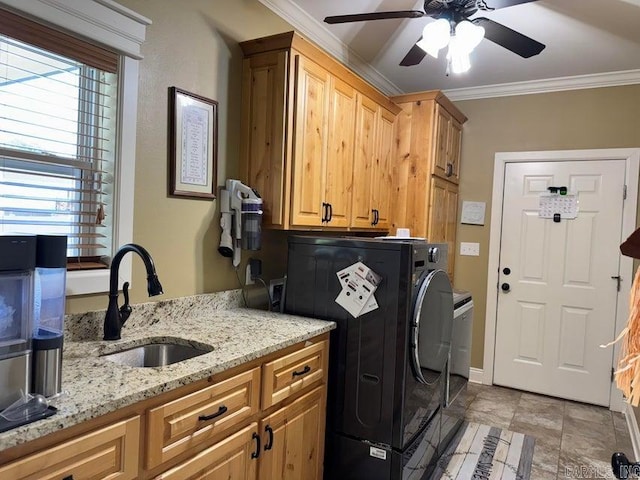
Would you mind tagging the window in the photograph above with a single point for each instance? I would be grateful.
(57, 140)
(121, 32)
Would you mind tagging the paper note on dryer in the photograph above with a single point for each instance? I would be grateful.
(359, 284)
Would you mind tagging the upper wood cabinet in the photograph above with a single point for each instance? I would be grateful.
(312, 138)
(427, 168)
(372, 167)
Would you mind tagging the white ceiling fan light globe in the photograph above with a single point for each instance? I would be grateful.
(469, 35)
(435, 37)
(458, 55)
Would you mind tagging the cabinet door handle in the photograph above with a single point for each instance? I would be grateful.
(221, 411)
(324, 212)
(377, 216)
(304, 371)
(373, 214)
(330, 212)
(269, 444)
(256, 437)
(449, 169)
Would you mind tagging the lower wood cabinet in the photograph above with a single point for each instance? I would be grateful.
(264, 420)
(294, 440)
(109, 453)
(234, 458)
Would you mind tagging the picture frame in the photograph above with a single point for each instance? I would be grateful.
(193, 144)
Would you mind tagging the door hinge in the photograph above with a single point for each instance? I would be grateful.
(624, 192)
(613, 374)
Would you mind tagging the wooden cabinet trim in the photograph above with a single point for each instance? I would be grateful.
(435, 96)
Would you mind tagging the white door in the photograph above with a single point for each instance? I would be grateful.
(561, 299)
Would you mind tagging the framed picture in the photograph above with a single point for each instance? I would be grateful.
(193, 144)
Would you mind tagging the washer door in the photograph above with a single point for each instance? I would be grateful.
(431, 328)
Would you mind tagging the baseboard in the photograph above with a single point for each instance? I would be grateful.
(634, 431)
(475, 375)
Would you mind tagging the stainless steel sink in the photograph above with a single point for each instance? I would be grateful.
(156, 354)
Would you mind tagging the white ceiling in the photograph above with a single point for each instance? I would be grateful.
(594, 42)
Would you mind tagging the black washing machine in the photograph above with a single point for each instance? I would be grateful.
(388, 367)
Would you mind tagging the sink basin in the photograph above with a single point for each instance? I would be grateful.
(156, 354)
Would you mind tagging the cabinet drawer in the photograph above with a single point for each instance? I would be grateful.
(182, 424)
(108, 453)
(289, 374)
(230, 459)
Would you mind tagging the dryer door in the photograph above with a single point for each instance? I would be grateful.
(431, 327)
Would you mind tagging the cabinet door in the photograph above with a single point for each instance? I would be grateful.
(293, 440)
(382, 172)
(230, 459)
(339, 165)
(454, 143)
(443, 214)
(365, 151)
(442, 121)
(310, 142)
(263, 126)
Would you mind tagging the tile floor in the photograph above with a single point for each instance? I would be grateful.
(573, 440)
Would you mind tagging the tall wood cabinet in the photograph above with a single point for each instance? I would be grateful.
(427, 168)
(317, 140)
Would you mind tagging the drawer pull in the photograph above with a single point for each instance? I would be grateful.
(269, 443)
(256, 437)
(306, 369)
(221, 411)
(68, 477)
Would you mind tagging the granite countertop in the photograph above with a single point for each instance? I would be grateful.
(93, 386)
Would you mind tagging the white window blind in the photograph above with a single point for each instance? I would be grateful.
(57, 138)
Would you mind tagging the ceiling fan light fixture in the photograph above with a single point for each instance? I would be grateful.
(435, 37)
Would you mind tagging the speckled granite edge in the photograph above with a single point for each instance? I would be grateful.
(89, 326)
(95, 386)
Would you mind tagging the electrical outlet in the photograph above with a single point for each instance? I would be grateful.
(249, 279)
(470, 249)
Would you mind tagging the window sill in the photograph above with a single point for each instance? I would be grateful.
(85, 282)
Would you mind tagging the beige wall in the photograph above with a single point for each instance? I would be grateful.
(192, 44)
(583, 119)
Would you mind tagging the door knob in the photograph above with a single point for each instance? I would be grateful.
(505, 287)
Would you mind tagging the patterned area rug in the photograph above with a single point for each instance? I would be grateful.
(488, 453)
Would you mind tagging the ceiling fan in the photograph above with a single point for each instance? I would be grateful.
(456, 11)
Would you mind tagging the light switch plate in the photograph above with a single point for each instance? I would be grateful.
(470, 249)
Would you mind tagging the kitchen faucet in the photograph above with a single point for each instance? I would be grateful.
(115, 318)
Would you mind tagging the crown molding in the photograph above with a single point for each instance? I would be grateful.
(316, 32)
(580, 82)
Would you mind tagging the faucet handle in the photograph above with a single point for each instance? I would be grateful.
(125, 309)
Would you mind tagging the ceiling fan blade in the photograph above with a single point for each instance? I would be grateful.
(510, 39)
(495, 4)
(360, 17)
(413, 56)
